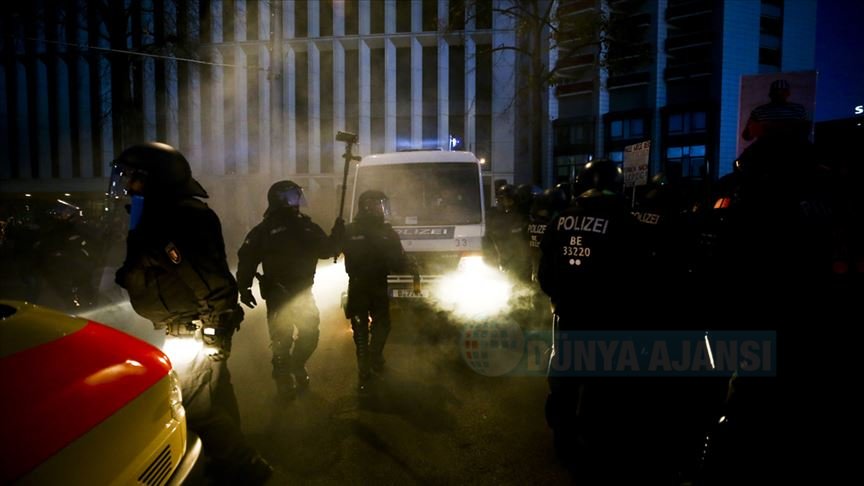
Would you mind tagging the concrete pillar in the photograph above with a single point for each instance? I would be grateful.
(313, 16)
(85, 104)
(363, 17)
(416, 15)
(389, 16)
(148, 78)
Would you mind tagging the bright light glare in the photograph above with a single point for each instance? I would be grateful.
(330, 281)
(475, 290)
(182, 350)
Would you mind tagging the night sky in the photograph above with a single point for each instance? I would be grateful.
(839, 58)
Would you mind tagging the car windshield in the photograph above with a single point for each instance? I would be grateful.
(426, 193)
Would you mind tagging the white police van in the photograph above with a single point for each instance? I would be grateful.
(436, 207)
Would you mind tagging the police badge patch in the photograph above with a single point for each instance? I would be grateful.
(173, 253)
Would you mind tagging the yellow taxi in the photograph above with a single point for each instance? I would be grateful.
(84, 403)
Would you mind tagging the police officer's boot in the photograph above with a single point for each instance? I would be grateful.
(360, 326)
(380, 331)
(282, 373)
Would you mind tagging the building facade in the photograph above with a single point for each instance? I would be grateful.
(683, 91)
(252, 91)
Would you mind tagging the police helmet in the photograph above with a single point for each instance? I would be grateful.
(374, 204)
(565, 190)
(285, 194)
(600, 174)
(558, 197)
(153, 169)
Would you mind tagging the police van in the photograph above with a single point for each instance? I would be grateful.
(436, 208)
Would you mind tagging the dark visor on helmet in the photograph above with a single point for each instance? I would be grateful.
(292, 196)
(122, 177)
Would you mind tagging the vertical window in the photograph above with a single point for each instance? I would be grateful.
(686, 161)
(698, 121)
(227, 21)
(484, 105)
(483, 14)
(351, 18)
(457, 98)
(403, 16)
(328, 133)
(206, 20)
(376, 62)
(616, 129)
(456, 15)
(637, 128)
(251, 20)
(430, 97)
(252, 113)
(676, 123)
(403, 97)
(430, 15)
(325, 16)
(301, 19)
(376, 17)
(301, 76)
(352, 107)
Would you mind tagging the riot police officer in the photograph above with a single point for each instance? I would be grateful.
(177, 276)
(587, 253)
(372, 251)
(506, 235)
(288, 245)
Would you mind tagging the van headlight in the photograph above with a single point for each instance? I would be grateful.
(474, 290)
(175, 397)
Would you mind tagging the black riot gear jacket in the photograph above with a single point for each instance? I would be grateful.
(373, 250)
(288, 245)
(176, 269)
(587, 250)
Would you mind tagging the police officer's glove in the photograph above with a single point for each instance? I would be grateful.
(247, 298)
(217, 342)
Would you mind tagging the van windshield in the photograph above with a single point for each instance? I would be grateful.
(426, 193)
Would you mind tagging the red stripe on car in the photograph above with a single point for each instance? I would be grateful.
(56, 392)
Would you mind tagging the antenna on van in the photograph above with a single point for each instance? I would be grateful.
(350, 140)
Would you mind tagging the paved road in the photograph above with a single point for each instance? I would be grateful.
(432, 420)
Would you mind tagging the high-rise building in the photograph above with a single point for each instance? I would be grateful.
(671, 74)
